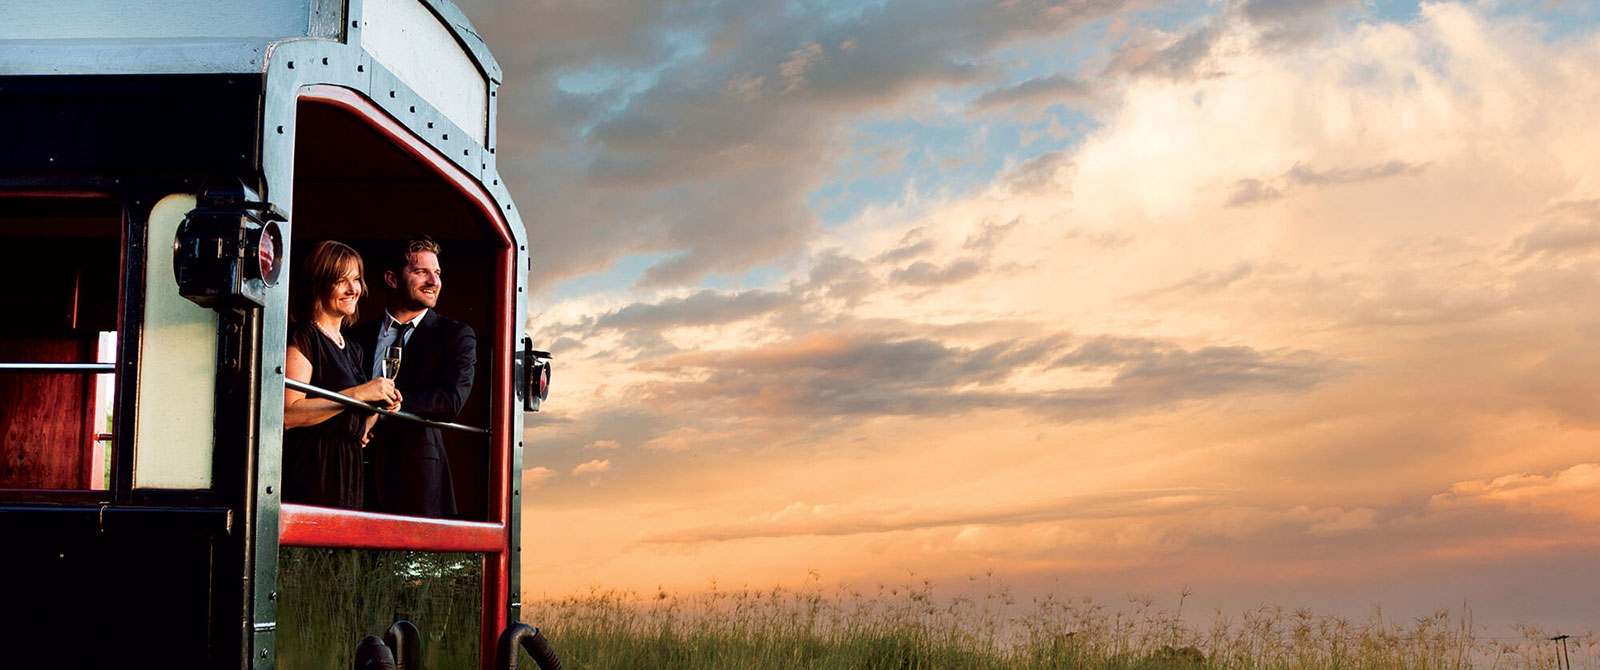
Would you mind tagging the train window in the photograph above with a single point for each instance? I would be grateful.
(329, 593)
(62, 255)
(363, 180)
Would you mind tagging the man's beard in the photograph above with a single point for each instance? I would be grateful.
(414, 302)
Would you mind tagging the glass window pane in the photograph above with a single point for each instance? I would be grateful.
(331, 598)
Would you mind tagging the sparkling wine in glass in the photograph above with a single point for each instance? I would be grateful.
(391, 362)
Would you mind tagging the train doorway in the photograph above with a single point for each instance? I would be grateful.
(365, 180)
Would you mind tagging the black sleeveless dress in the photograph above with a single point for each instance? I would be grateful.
(322, 462)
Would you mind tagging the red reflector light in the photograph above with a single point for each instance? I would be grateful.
(266, 255)
(268, 242)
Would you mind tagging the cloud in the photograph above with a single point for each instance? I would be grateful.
(1282, 11)
(1252, 191)
(913, 244)
(1574, 492)
(989, 235)
(1149, 374)
(1305, 174)
(1288, 23)
(1253, 26)
(702, 308)
(603, 444)
(695, 130)
(1339, 377)
(689, 438)
(839, 276)
(1036, 174)
(1169, 57)
(1555, 384)
(1205, 281)
(1108, 523)
(1212, 536)
(1039, 91)
(538, 475)
(838, 375)
(590, 422)
(1571, 228)
(592, 467)
(800, 60)
(1341, 521)
(646, 343)
(924, 273)
(799, 519)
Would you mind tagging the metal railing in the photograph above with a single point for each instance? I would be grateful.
(308, 389)
(65, 369)
(352, 403)
(83, 368)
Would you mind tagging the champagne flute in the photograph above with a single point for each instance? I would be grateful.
(391, 362)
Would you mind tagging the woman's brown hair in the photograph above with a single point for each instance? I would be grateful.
(321, 269)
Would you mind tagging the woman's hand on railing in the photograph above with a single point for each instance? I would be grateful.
(380, 391)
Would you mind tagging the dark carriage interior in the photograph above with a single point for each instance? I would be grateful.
(354, 185)
(62, 259)
(62, 253)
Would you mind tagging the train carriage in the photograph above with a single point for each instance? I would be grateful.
(161, 163)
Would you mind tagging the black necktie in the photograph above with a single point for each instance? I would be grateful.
(401, 330)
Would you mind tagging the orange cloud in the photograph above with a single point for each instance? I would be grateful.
(595, 466)
(1284, 314)
(1574, 492)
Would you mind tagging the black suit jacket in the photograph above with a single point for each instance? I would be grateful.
(411, 470)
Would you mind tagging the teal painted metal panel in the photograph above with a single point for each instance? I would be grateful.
(154, 19)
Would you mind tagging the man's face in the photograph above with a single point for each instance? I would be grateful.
(417, 287)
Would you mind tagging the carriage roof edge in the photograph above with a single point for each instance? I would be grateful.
(404, 39)
(150, 34)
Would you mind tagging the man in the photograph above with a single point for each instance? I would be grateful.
(411, 471)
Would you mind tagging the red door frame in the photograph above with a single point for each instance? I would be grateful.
(307, 526)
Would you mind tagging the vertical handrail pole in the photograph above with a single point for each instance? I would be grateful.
(526, 637)
(373, 654)
(403, 638)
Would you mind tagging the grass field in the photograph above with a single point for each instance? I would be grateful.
(913, 626)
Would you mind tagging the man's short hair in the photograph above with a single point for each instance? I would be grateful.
(402, 256)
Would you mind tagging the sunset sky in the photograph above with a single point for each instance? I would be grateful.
(1286, 301)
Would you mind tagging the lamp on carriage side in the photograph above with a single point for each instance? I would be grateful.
(534, 386)
(228, 251)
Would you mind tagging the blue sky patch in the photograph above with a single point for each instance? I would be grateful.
(617, 278)
(945, 153)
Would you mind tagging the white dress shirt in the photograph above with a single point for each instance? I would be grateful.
(386, 334)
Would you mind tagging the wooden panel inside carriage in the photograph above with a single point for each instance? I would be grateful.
(61, 256)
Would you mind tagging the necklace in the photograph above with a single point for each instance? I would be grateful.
(337, 339)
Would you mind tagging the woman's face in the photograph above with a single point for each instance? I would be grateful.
(342, 297)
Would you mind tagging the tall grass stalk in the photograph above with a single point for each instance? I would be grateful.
(909, 626)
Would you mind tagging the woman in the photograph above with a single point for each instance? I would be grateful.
(322, 439)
